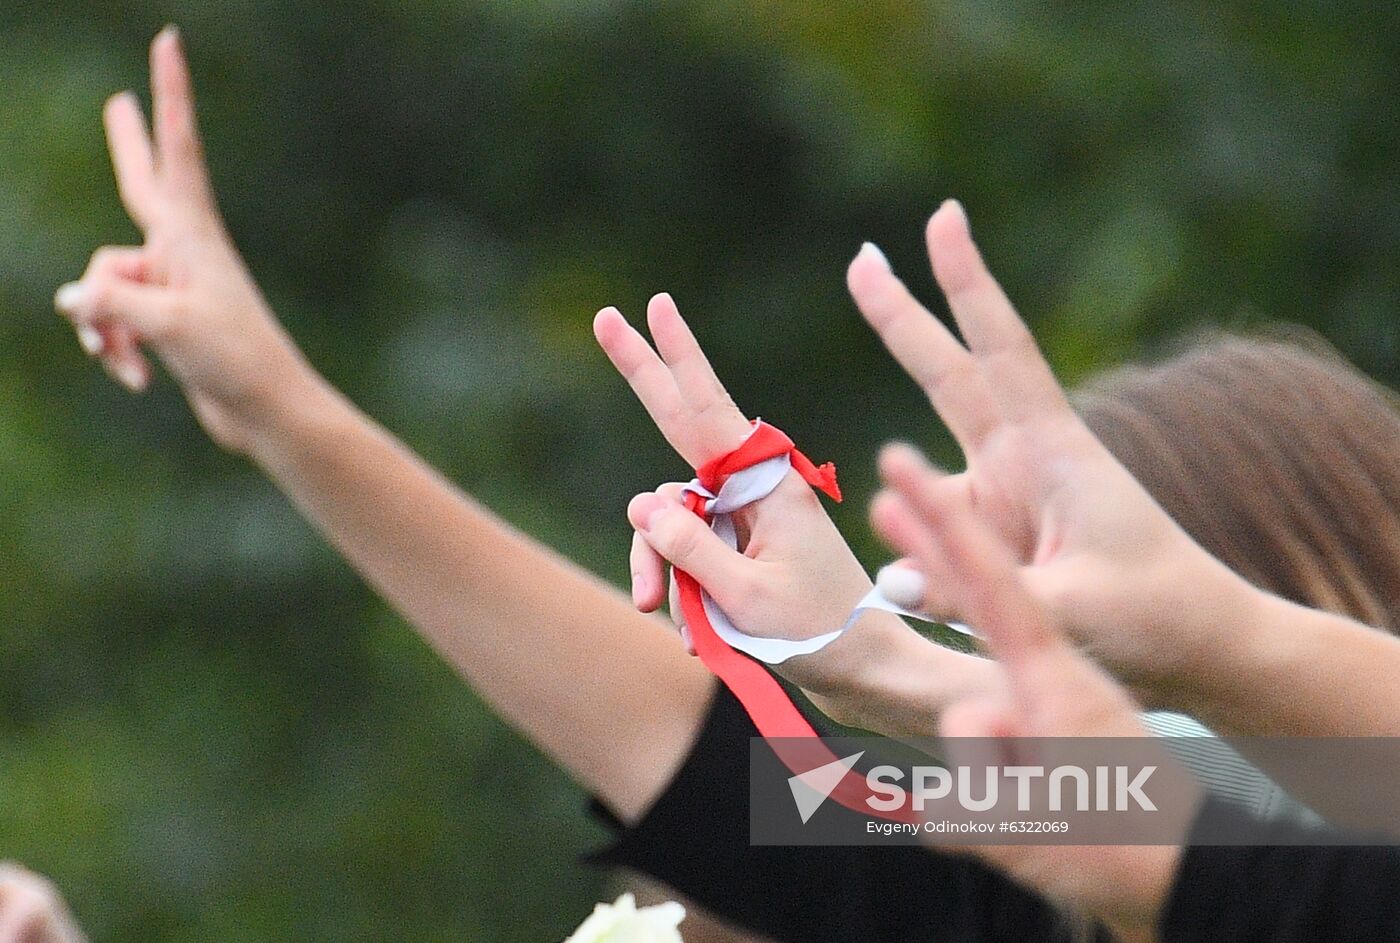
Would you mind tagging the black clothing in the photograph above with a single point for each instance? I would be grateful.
(1280, 893)
(696, 839)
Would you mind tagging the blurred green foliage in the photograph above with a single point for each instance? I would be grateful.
(209, 729)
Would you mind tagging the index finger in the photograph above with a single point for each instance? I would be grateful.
(982, 573)
(719, 422)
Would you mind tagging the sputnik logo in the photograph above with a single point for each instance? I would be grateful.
(812, 788)
(1104, 789)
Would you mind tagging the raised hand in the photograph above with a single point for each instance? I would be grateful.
(793, 577)
(786, 537)
(1052, 690)
(185, 292)
(1094, 547)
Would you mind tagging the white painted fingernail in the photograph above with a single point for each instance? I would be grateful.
(130, 376)
(958, 210)
(68, 297)
(91, 339)
(901, 585)
(873, 251)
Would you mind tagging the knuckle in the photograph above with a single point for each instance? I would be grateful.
(720, 408)
(673, 416)
(103, 259)
(636, 510)
(97, 291)
(939, 379)
(680, 539)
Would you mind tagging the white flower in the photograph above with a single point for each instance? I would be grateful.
(623, 922)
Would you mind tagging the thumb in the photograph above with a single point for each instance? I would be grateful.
(687, 543)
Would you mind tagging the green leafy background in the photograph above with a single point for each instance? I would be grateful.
(209, 729)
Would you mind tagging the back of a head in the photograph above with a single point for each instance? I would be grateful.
(1277, 456)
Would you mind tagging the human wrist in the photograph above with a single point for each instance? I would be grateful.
(271, 419)
(1224, 640)
(890, 679)
(838, 676)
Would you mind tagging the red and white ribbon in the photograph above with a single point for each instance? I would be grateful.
(739, 489)
(722, 487)
(721, 495)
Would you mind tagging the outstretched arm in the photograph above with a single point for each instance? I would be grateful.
(1124, 580)
(560, 654)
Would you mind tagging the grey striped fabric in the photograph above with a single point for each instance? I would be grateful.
(1223, 772)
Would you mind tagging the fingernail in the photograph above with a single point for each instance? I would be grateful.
(871, 250)
(130, 376)
(91, 339)
(171, 30)
(68, 297)
(901, 585)
(958, 210)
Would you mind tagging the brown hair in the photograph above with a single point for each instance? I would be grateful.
(1276, 455)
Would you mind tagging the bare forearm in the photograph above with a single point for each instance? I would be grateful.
(560, 654)
(1282, 669)
(1299, 689)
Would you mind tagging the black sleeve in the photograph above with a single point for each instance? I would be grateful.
(1282, 893)
(696, 839)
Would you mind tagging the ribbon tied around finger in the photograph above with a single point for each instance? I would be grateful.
(721, 487)
(749, 474)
